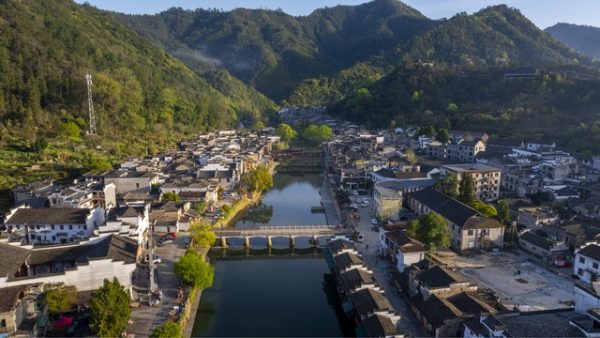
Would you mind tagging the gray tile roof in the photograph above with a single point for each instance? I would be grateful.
(379, 326)
(49, 216)
(367, 301)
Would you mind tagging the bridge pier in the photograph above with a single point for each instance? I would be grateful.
(223, 241)
(247, 242)
(292, 242)
(269, 242)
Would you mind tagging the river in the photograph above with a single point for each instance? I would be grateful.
(282, 293)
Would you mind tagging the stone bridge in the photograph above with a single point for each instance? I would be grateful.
(313, 232)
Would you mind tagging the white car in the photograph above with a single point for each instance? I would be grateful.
(360, 238)
(374, 221)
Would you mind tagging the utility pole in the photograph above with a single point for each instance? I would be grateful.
(92, 114)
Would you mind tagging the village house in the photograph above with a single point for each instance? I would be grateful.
(52, 225)
(400, 248)
(470, 229)
(538, 243)
(23, 312)
(462, 150)
(486, 178)
(389, 196)
(84, 265)
(534, 217)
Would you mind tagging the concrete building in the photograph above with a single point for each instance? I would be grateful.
(388, 196)
(486, 178)
(470, 229)
(587, 262)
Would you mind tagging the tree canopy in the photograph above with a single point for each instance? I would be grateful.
(317, 134)
(257, 180)
(202, 235)
(467, 190)
(485, 208)
(503, 212)
(168, 329)
(432, 229)
(170, 196)
(60, 298)
(448, 185)
(194, 270)
(286, 132)
(109, 309)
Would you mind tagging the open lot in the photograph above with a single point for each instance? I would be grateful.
(534, 288)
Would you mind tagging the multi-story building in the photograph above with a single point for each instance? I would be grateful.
(52, 225)
(587, 262)
(486, 178)
(400, 248)
(465, 151)
(470, 229)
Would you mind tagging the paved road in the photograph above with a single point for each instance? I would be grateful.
(408, 323)
(147, 318)
(328, 203)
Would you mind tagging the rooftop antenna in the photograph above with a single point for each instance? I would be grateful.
(92, 114)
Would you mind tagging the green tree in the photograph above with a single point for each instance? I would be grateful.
(194, 270)
(60, 298)
(70, 130)
(317, 134)
(220, 192)
(109, 309)
(503, 212)
(443, 136)
(411, 157)
(467, 189)
(257, 180)
(202, 235)
(168, 329)
(40, 144)
(484, 208)
(452, 107)
(432, 229)
(286, 132)
(200, 207)
(258, 125)
(448, 185)
(170, 196)
(94, 162)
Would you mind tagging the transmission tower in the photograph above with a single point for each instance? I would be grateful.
(92, 114)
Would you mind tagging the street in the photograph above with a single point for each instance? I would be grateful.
(408, 323)
(147, 318)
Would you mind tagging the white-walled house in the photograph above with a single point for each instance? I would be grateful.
(52, 225)
(82, 265)
(587, 262)
(400, 248)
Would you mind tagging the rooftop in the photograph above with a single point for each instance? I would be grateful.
(49, 216)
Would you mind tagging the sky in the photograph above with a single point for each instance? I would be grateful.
(543, 13)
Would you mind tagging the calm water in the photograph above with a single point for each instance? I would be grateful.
(288, 203)
(276, 294)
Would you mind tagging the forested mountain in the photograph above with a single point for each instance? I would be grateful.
(46, 47)
(143, 96)
(275, 51)
(306, 57)
(585, 39)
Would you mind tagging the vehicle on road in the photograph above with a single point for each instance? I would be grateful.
(374, 221)
(360, 238)
(163, 242)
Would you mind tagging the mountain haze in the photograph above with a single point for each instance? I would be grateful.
(585, 39)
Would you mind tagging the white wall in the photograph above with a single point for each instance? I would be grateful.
(588, 267)
(585, 301)
(85, 277)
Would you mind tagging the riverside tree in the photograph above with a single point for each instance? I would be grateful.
(202, 235)
(194, 270)
(109, 309)
(432, 229)
(257, 180)
(168, 329)
(286, 132)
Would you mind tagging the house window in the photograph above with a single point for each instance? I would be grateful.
(52, 226)
(470, 232)
(595, 265)
(580, 271)
(70, 227)
(62, 227)
(581, 260)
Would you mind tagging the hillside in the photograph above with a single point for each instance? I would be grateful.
(264, 47)
(585, 39)
(143, 96)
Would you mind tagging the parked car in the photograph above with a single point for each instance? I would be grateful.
(360, 238)
(165, 241)
(374, 221)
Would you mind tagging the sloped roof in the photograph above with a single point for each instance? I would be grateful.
(356, 277)
(367, 301)
(49, 216)
(592, 251)
(379, 326)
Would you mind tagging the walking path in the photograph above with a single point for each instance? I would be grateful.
(328, 203)
(408, 323)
